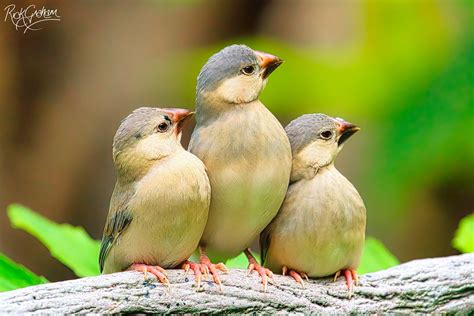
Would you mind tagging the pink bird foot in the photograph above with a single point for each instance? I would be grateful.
(197, 269)
(298, 276)
(351, 278)
(157, 271)
(206, 267)
(264, 273)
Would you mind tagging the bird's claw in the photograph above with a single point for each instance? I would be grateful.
(356, 278)
(298, 276)
(196, 269)
(208, 268)
(265, 274)
(305, 276)
(157, 271)
(351, 279)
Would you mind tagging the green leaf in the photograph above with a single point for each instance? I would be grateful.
(239, 262)
(376, 257)
(464, 236)
(70, 245)
(14, 276)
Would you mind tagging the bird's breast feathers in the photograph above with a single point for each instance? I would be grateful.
(248, 158)
(246, 131)
(181, 177)
(329, 216)
(170, 205)
(247, 148)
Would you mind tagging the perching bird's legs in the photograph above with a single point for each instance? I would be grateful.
(207, 267)
(197, 270)
(298, 276)
(157, 271)
(351, 278)
(263, 272)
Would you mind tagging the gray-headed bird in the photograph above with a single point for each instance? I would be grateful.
(160, 203)
(320, 228)
(246, 152)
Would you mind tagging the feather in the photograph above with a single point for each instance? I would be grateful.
(117, 223)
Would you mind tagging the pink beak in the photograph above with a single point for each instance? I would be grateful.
(178, 116)
(268, 63)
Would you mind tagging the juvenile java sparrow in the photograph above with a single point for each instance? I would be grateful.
(320, 228)
(160, 203)
(246, 152)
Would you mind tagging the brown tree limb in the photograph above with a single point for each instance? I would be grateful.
(420, 286)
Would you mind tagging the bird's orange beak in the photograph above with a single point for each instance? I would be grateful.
(178, 117)
(268, 63)
(345, 130)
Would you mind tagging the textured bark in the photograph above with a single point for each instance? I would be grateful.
(421, 286)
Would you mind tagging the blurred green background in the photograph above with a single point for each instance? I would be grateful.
(402, 70)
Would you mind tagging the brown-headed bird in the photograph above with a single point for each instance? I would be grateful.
(320, 228)
(160, 203)
(246, 152)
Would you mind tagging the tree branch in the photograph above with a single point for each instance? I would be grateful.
(421, 286)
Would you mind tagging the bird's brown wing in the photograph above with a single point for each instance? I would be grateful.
(118, 220)
(264, 243)
(114, 227)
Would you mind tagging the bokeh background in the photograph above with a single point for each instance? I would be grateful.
(402, 70)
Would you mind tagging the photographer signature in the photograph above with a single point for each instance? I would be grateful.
(29, 17)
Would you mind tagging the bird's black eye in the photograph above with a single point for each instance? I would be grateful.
(248, 70)
(326, 134)
(162, 127)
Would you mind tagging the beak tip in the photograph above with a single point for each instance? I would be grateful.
(268, 63)
(345, 129)
(266, 58)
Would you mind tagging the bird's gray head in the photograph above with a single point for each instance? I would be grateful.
(237, 74)
(316, 139)
(146, 135)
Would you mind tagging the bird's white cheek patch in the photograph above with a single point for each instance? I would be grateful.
(318, 153)
(240, 89)
(156, 146)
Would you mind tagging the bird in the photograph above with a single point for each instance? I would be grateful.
(246, 152)
(160, 203)
(320, 228)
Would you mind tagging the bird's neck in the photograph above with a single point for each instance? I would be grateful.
(136, 168)
(210, 107)
(306, 170)
(130, 175)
